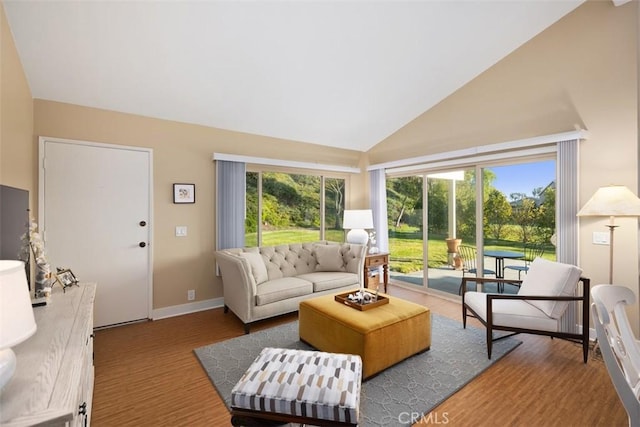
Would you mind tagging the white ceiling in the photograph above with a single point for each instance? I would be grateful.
(338, 73)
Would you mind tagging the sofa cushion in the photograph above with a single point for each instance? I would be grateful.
(288, 260)
(326, 280)
(258, 269)
(285, 382)
(549, 278)
(515, 313)
(353, 257)
(328, 257)
(281, 289)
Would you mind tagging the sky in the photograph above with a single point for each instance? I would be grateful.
(523, 178)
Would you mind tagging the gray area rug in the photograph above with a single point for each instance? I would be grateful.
(391, 398)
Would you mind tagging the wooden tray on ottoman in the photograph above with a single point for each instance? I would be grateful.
(344, 299)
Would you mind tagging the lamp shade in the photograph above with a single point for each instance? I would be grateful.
(612, 200)
(16, 314)
(357, 219)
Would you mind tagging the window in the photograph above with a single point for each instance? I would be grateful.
(333, 209)
(284, 207)
(251, 221)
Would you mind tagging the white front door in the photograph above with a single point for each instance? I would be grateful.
(95, 212)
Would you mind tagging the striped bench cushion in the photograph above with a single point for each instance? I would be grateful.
(310, 384)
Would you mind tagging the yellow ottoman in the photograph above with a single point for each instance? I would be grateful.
(381, 336)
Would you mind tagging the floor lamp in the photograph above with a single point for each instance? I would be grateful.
(612, 201)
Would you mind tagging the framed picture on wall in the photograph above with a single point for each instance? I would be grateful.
(184, 193)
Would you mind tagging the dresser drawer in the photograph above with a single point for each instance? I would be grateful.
(375, 261)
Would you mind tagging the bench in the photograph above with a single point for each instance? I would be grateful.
(382, 336)
(299, 386)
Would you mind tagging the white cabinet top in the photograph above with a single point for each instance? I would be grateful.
(49, 364)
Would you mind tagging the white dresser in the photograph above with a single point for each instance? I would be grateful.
(53, 383)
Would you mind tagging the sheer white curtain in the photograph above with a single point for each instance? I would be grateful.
(378, 181)
(230, 204)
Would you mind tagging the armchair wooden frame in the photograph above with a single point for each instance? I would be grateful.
(581, 338)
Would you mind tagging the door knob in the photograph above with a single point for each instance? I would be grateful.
(143, 223)
(142, 244)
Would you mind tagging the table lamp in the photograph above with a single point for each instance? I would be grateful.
(16, 315)
(612, 201)
(356, 221)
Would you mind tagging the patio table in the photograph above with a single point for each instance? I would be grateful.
(500, 257)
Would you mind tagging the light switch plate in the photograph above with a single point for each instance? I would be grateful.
(600, 238)
(181, 231)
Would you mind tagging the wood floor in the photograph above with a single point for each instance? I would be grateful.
(147, 375)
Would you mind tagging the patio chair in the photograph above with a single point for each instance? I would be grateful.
(531, 252)
(469, 258)
(538, 307)
(619, 346)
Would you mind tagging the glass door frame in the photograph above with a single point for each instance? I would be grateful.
(478, 168)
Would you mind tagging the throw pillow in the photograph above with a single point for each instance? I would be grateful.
(258, 269)
(549, 278)
(328, 258)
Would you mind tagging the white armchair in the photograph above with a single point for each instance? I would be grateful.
(544, 296)
(619, 346)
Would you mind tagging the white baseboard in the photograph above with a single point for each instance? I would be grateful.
(191, 307)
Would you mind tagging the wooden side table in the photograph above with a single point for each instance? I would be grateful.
(372, 261)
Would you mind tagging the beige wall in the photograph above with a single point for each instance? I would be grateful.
(580, 73)
(181, 153)
(17, 155)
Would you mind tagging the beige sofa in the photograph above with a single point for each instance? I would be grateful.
(262, 282)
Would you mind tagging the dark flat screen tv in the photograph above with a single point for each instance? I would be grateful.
(14, 218)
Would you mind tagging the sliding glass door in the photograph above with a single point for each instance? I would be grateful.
(438, 209)
(451, 223)
(519, 216)
(497, 217)
(406, 234)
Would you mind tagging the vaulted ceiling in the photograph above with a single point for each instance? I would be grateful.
(337, 73)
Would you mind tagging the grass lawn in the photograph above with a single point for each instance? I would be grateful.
(297, 235)
(405, 246)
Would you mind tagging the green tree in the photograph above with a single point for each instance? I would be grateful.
(466, 206)
(546, 221)
(282, 187)
(290, 200)
(466, 201)
(273, 216)
(402, 194)
(335, 201)
(497, 212)
(437, 213)
(524, 214)
(251, 205)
